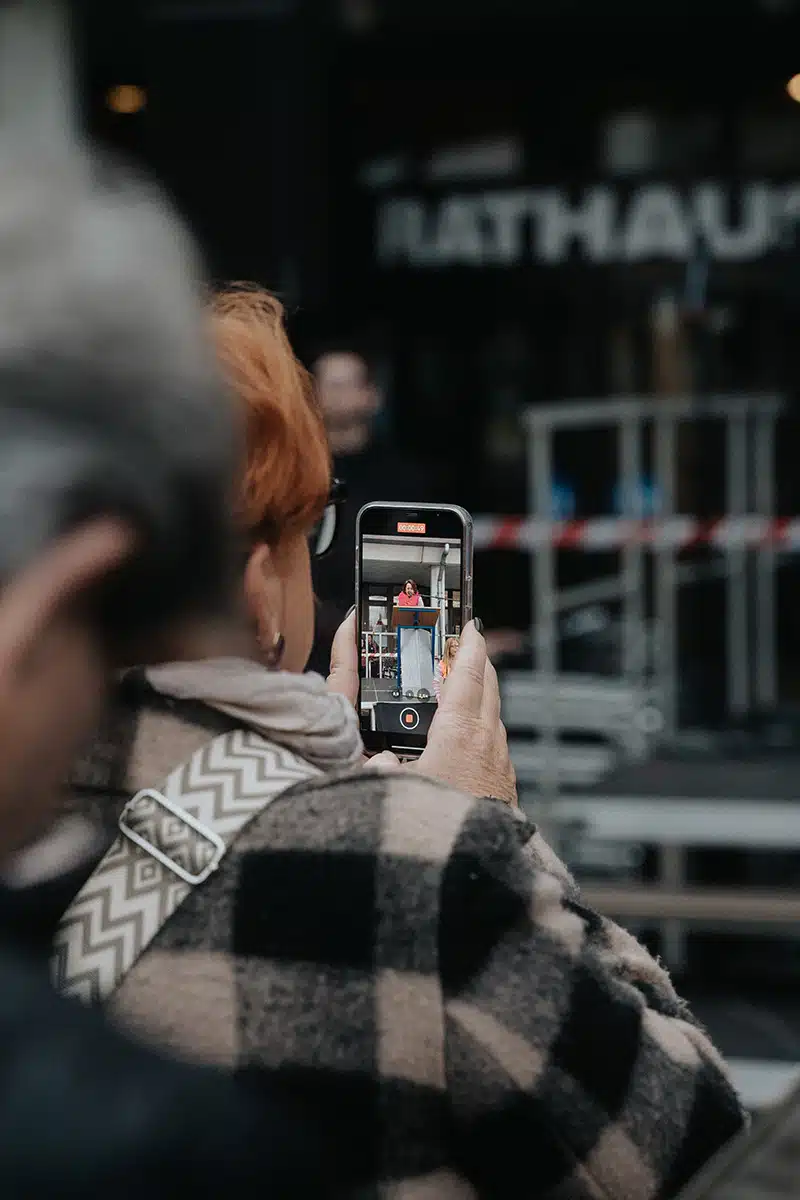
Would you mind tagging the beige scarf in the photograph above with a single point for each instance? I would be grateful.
(295, 711)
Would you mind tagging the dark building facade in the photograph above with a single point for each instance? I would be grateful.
(514, 203)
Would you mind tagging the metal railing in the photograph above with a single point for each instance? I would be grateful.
(385, 655)
(748, 423)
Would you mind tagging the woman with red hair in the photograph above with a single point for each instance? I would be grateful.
(287, 501)
(408, 957)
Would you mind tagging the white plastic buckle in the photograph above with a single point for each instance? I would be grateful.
(208, 834)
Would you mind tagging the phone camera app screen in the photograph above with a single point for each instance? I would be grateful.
(410, 625)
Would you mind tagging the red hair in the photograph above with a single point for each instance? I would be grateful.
(287, 476)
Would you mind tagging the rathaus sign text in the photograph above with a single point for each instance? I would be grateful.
(601, 225)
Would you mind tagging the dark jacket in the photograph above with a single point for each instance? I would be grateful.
(87, 1112)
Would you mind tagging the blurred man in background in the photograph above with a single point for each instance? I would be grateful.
(350, 400)
(371, 469)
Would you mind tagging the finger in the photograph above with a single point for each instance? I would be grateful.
(386, 762)
(344, 661)
(59, 575)
(465, 683)
(491, 696)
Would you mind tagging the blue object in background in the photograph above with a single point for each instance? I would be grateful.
(644, 500)
(563, 501)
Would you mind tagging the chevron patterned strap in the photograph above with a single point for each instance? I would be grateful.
(170, 841)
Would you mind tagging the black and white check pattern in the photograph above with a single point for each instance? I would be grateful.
(420, 966)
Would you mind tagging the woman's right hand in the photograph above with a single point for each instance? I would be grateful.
(467, 744)
(343, 677)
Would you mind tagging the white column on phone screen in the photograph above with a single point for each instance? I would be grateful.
(436, 603)
(441, 597)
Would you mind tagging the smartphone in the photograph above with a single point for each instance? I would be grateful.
(413, 598)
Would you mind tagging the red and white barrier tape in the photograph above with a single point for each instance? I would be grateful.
(614, 533)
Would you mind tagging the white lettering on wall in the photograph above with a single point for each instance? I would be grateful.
(561, 226)
(603, 225)
(506, 213)
(787, 203)
(656, 225)
(752, 237)
(401, 231)
(459, 237)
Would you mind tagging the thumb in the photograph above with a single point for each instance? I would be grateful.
(344, 661)
(385, 762)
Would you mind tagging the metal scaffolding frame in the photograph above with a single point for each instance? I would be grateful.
(750, 424)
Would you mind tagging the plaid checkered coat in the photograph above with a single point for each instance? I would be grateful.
(420, 965)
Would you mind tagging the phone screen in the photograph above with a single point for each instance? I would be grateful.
(414, 598)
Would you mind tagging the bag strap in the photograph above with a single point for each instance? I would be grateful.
(170, 841)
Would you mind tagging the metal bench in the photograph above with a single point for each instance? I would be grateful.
(584, 704)
(606, 720)
(674, 826)
(579, 766)
(763, 1083)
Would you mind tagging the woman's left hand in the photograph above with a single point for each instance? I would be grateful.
(467, 745)
(343, 678)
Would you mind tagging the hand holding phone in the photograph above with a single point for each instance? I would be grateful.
(413, 598)
(467, 748)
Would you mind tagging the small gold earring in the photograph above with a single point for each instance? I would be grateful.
(273, 655)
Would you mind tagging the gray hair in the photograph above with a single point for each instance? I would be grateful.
(110, 401)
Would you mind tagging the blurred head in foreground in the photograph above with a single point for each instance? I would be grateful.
(110, 406)
(109, 396)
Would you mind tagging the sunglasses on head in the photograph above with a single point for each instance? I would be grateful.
(322, 537)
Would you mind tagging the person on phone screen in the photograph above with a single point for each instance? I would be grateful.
(444, 666)
(410, 597)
